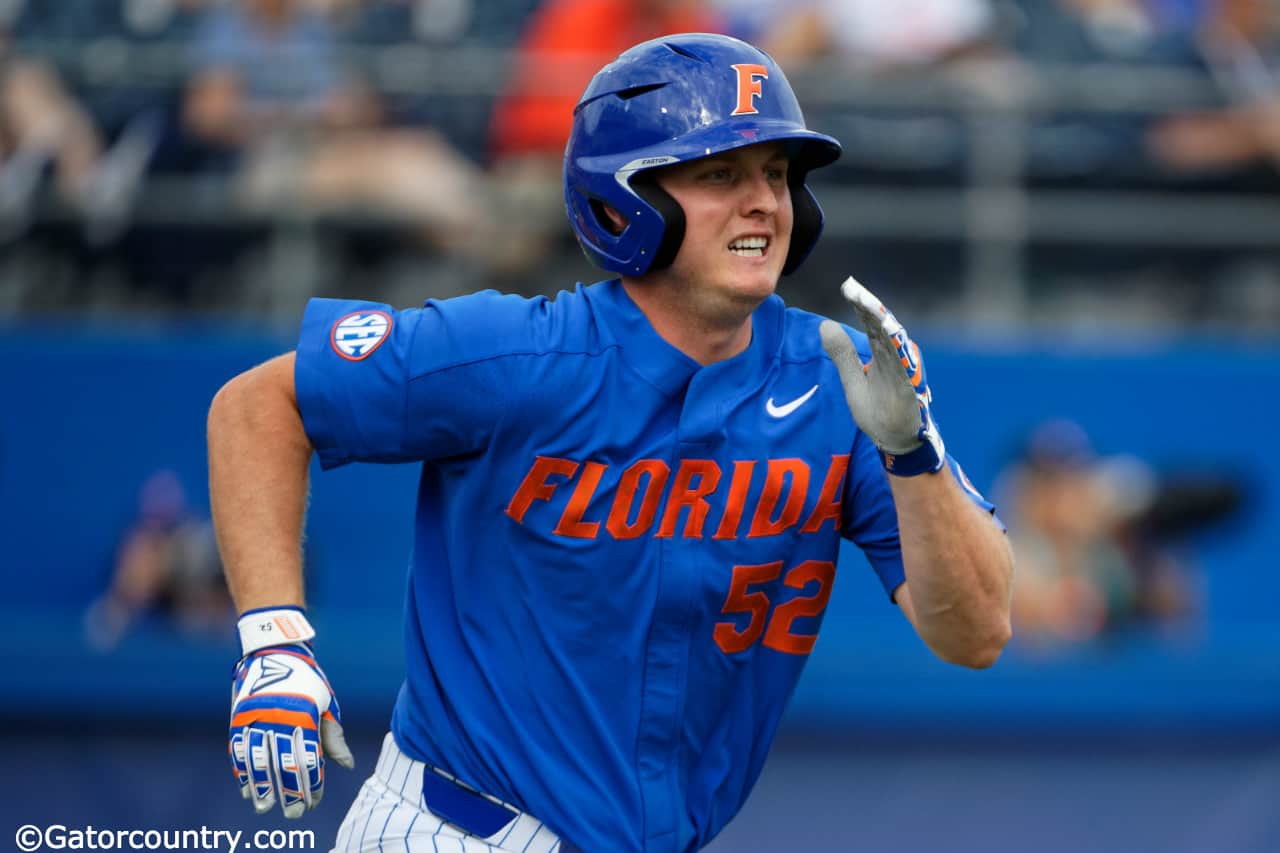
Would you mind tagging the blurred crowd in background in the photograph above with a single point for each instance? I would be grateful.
(1065, 164)
(1014, 160)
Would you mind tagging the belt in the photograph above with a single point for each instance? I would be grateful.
(464, 806)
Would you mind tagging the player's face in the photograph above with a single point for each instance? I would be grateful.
(737, 209)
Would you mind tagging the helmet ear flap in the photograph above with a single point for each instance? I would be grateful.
(806, 225)
(646, 186)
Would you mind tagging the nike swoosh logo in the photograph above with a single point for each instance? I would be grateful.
(784, 410)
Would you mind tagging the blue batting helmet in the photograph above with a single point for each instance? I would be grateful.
(670, 100)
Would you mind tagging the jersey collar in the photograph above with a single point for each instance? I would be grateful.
(666, 367)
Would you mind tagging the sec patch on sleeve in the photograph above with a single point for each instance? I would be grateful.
(356, 335)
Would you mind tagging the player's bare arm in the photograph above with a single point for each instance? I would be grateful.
(957, 560)
(959, 570)
(258, 457)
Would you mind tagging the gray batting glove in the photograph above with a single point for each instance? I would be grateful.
(889, 396)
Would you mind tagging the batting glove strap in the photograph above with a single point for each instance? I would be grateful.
(273, 626)
(928, 458)
(925, 459)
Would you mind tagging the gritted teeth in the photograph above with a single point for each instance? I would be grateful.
(749, 247)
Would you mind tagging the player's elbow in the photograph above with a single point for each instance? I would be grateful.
(221, 407)
(982, 658)
(230, 405)
(979, 649)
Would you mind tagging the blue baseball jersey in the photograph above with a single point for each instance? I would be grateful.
(621, 557)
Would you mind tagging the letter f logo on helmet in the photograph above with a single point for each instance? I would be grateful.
(749, 87)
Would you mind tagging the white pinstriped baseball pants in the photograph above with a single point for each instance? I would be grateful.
(389, 814)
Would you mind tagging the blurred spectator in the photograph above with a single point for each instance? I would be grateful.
(1229, 43)
(1071, 576)
(469, 40)
(1075, 31)
(564, 43)
(1092, 540)
(1240, 43)
(96, 148)
(167, 567)
(42, 126)
(274, 104)
(1078, 145)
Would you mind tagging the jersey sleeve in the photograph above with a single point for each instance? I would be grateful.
(379, 385)
(972, 492)
(871, 520)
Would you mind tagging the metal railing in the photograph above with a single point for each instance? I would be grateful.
(991, 208)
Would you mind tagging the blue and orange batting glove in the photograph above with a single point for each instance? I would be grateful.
(284, 717)
(889, 396)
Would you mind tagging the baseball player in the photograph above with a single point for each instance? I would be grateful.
(631, 502)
